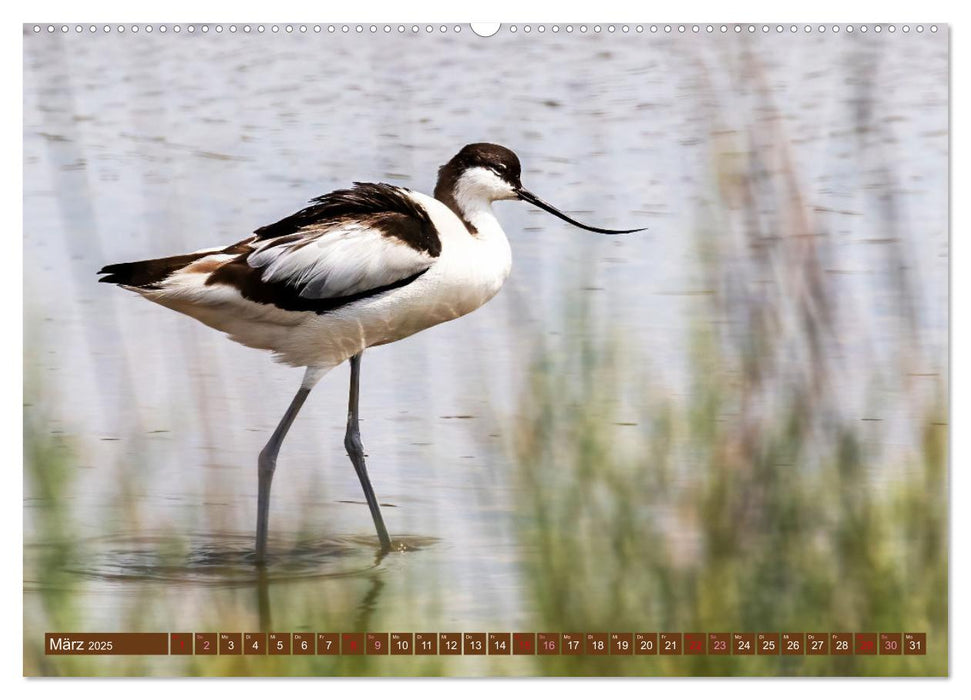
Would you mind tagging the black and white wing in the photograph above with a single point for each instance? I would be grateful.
(348, 245)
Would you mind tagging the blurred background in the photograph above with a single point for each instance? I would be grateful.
(733, 421)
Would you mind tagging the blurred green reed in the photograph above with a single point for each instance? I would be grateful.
(59, 596)
(67, 588)
(756, 502)
(698, 526)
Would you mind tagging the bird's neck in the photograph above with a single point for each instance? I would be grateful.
(466, 203)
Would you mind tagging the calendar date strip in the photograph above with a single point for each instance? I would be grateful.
(486, 643)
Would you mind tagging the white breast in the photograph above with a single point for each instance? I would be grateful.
(471, 266)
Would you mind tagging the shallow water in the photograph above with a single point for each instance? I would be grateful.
(144, 146)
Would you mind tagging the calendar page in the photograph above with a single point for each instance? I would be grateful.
(543, 349)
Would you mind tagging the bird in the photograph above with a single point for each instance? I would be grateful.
(355, 269)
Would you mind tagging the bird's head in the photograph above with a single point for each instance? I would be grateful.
(482, 173)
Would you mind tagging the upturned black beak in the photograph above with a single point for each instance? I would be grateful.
(528, 196)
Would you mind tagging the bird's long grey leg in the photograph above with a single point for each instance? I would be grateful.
(355, 450)
(267, 465)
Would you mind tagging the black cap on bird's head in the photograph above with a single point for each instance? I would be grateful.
(492, 172)
(490, 156)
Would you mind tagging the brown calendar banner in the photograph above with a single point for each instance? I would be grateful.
(487, 643)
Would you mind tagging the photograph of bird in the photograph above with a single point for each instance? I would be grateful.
(358, 268)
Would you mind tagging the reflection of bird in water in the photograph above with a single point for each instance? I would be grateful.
(365, 609)
(357, 268)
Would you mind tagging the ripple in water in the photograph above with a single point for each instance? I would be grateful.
(229, 560)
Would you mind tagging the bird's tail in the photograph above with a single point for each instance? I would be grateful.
(146, 274)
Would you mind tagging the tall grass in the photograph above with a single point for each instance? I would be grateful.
(707, 525)
(166, 580)
(759, 500)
